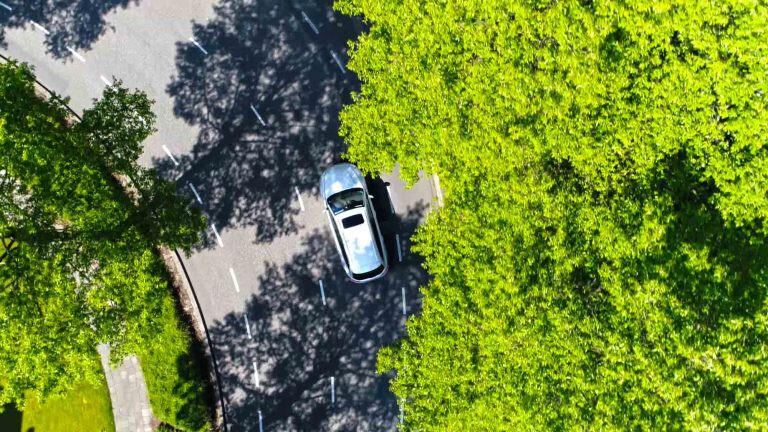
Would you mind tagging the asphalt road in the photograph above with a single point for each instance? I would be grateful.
(247, 97)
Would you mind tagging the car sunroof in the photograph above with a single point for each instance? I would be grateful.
(354, 220)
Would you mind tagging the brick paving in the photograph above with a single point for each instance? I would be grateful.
(128, 391)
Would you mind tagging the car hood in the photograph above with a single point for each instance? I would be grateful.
(340, 177)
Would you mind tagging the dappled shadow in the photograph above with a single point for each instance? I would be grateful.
(192, 389)
(732, 284)
(716, 270)
(266, 98)
(74, 24)
(299, 344)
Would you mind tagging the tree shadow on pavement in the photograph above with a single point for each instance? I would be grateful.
(265, 98)
(298, 344)
(74, 24)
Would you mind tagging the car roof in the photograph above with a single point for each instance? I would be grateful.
(340, 177)
(359, 242)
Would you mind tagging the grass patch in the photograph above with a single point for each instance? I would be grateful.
(174, 374)
(86, 407)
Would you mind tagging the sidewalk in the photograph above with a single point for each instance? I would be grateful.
(128, 391)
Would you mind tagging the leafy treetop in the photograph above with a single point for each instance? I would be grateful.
(600, 263)
(81, 270)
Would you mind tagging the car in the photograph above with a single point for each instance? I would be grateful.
(353, 223)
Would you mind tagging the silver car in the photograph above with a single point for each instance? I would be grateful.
(353, 223)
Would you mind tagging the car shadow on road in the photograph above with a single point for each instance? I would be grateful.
(299, 345)
(265, 98)
(74, 24)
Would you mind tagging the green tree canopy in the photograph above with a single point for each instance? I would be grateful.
(81, 270)
(601, 261)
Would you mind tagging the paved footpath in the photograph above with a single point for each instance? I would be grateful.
(128, 391)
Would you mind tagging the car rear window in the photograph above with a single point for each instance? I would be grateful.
(351, 221)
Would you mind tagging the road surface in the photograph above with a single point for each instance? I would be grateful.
(247, 98)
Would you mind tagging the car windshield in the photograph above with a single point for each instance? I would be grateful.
(346, 200)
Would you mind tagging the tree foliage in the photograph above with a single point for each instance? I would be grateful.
(117, 125)
(82, 270)
(601, 260)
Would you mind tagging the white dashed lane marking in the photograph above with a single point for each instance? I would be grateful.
(310, 23)
(198, 45)
(170, 155)
(403, 291)
(322, 292)
(338, 62)
(41, 28)
(247, 326)
(256, 380)
(194, 191)
(5, 6)
(258, 116)
(216, 233)
(298, 195)
(333, 390)
(234, 279)
(75, 54)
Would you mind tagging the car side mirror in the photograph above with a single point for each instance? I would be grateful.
(370, 196)
(386, 183)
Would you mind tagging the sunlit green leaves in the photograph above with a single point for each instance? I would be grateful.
(600, 261)
(117, 125)
(82, 270)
